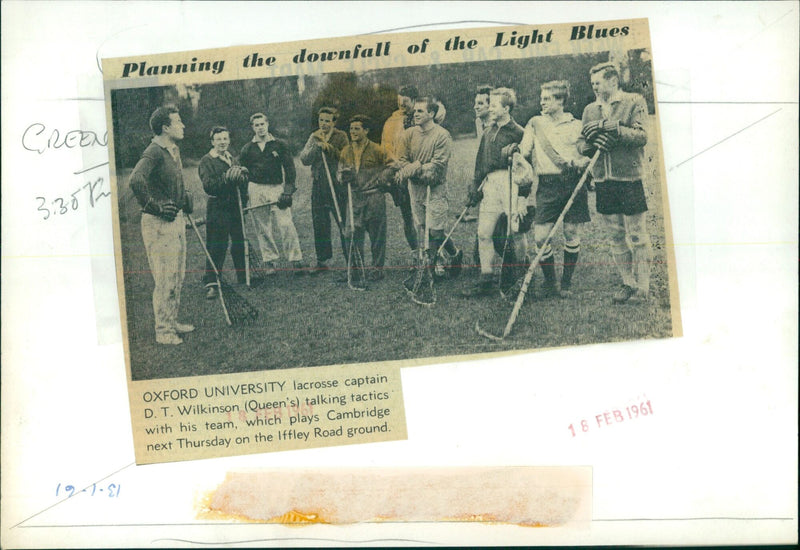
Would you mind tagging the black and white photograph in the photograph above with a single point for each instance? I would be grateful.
(392, 214)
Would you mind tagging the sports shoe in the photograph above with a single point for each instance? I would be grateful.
(319, 267)
(183, 328)
(269, 268)
(211, 292)
(299, 268)
(623, 294)
(482, 288)
(170, 339)
(565, 291)
(454, 269)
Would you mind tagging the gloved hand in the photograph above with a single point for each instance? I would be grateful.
(526, 222)
(326, 147)
(285, 201)
(592, 129)
(610, 127)
(347, 175)
(524, 189)
(237, 175)
(166, 210)
(604, 142)
(509, 150)
(188, 204)
(407, 171)
(475, 196)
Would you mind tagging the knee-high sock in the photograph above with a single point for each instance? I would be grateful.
(571, 252)
(548, 268)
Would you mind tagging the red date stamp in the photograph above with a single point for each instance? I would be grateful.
(611, 417)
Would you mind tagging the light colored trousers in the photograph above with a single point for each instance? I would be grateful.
(631, 249)
(165, 244)
(496, 202)
(271, 216)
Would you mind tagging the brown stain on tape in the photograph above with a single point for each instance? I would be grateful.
(525, 496)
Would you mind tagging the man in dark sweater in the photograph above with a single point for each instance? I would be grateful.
(328, 141)
(272, 183)
(157, 183)
(223, 219)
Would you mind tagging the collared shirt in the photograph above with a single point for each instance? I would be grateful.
(562, 134)
(158, 176)
(268, 162)
(490, 156)
(311, 155)
(625, 159)
(368, 166)
(226, 156)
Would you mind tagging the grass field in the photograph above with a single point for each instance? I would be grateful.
(308, 321)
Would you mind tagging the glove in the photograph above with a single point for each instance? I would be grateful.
(188, 204)
(285, 201)
(526, 222)
(385, 180)
(428, 176)
(237, 175)
(326, 147)
(592, 129)
(475, 196)
(524, 189)
(347, 175)
(610, 127)
(407, 171)
(509, 150)
(604, 142)
(166, 210)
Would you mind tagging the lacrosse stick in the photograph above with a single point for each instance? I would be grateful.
(531, 268)
(356, 274)
(252, 264)
(237, 310)
(256, 206)
(508, 257)
(423, 292)
(458, 221)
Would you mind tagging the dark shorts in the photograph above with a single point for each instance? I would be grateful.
(620, 197)
(552, 196)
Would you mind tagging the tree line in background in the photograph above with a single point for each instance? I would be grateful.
(291, 102)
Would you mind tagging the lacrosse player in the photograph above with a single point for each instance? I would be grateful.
(393, 130)
(272, 183)
(549, 141)
(425, 151)
(329, 141)
(498, 143)
(157, 183)
(361, 164)
(616, 125)
(482, 121)
(223, 219)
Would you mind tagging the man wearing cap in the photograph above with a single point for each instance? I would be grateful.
(157, 183)
(549, 141)
(616, 125)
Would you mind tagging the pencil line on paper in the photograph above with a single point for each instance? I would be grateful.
(445, 23)
(726, 139)
(92, 168)
(72, 495)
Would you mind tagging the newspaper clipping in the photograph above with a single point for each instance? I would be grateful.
(296, 222)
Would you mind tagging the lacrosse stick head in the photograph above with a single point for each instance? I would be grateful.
(356, 271)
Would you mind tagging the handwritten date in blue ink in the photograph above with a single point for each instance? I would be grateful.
(111, 490)
(61, 206)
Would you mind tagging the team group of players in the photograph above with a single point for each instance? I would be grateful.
(523, 177)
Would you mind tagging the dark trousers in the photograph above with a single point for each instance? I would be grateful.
(369, 218)
(322, 209)
(402, 200)
(223, 222)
